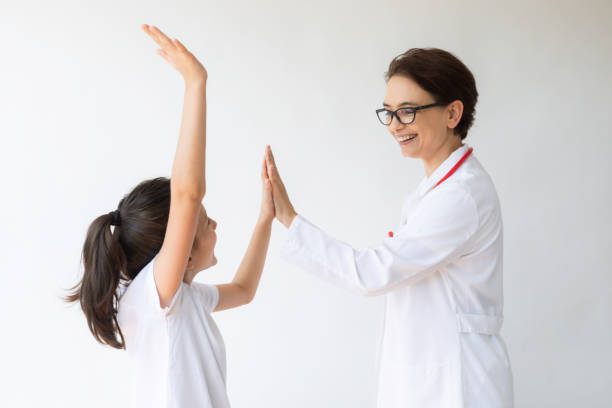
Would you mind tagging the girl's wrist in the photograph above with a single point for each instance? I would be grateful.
(197, 83)
(265, 219)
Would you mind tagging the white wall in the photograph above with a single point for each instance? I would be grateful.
(87, 110)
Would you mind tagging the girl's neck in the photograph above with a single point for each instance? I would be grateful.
(432, 163)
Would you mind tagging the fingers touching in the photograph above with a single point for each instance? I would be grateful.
(272, 171)
(264, 171)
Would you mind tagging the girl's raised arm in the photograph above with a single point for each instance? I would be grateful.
(187, 183)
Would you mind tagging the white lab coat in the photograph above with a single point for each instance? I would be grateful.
(441, 275)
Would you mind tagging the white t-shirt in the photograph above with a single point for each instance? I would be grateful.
(177, 353)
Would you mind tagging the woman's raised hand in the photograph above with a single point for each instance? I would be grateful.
(177, 55)
(283, 208)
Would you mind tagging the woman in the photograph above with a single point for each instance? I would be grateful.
(441, 272)
(137, 290)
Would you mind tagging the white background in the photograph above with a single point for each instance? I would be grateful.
(88, 110)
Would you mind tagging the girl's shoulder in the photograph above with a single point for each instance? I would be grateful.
(141, 294)
(206, 293)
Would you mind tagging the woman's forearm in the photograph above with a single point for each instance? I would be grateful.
(188, 170)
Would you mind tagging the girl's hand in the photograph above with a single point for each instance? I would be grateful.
(283, 208)
(178, 56)
(267, 203)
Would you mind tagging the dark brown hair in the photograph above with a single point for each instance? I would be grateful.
(113, 256)
(441, 74)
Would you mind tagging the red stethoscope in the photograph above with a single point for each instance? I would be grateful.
(450, 173)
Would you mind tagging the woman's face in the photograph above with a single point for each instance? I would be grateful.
(429, 130)
(203, 250)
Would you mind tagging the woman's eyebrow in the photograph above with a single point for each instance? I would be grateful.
(403, 103)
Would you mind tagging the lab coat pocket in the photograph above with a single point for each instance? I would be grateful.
(486, 372)
(419, 385)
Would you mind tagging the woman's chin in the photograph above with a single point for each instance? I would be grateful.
(409, 152)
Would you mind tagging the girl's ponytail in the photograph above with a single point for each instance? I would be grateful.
(112, 256)
(104, 264)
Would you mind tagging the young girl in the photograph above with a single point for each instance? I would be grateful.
(137, 290)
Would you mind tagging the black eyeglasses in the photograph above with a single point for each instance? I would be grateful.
(404, 115)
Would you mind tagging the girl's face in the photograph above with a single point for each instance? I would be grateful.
(429, 130)
(203, 250)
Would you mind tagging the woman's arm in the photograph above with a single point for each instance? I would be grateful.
(187, 183)
(438, 233)
(244, 285)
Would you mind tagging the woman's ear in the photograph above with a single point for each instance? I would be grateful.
(455, 111)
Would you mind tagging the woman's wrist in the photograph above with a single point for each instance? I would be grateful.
(289, 219)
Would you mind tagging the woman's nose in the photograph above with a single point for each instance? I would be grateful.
(395, 125)
(214, 225)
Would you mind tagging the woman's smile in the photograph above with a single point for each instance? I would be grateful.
(405, 138)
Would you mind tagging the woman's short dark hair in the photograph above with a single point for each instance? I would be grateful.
(441, 74)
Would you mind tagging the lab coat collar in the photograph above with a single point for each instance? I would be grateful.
(429, 182)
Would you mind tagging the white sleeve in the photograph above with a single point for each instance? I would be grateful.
(152, 295)
(209, 294)
(435, 234)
